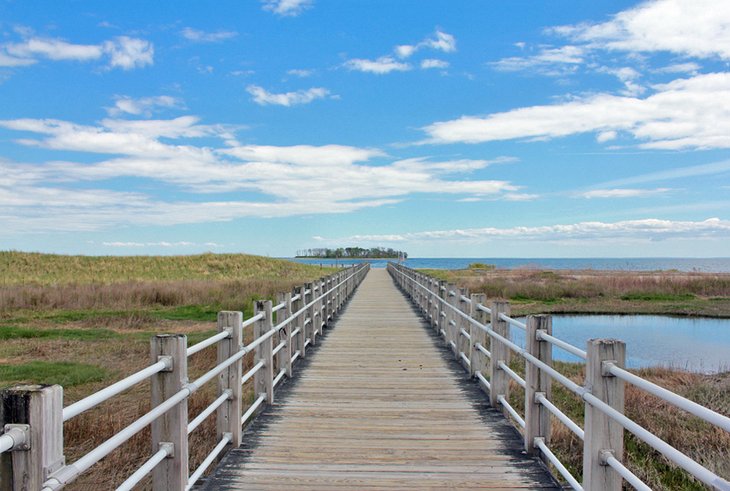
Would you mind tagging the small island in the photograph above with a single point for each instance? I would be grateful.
(353, 253)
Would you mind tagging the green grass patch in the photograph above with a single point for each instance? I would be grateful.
(12, 332)
(189, 312)
(658, 297)
(41, 372)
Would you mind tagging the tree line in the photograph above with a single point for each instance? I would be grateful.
(352, 252)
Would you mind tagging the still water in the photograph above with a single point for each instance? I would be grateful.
(695, 344)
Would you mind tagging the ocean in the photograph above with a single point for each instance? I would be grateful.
(713, 265)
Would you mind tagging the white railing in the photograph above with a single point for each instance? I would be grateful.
(480, 339)
(33, 417)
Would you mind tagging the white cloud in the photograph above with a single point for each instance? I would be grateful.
(678, 115)
(53, 49)
(440, 41)
(123, 52)
(143, 105)
(309, 179)
(383, 65)
(128, 53)
(287, 8)
(262, 97)
(198, 36)
(699, 28)
(649, 229)
(432, 63)
(623, 193)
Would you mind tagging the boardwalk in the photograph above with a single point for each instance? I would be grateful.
(379, 406)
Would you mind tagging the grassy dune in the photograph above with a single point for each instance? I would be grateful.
(85, 322)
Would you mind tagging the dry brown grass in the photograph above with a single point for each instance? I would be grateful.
(708, 445)
(600, 292)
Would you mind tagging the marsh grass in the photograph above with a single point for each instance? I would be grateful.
(600, 292)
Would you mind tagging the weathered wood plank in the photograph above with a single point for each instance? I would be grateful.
(380, 405)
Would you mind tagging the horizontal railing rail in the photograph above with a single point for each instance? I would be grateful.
(479, 337)
(32, 437)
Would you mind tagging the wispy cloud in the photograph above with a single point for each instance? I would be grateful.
(122, 52)
(714, 168)
(263, 97)
(623, 193)
(287, 8)
(548, 60)
(143, 105)
(433, 63)
(311, 179)
(198, 36)
(380, 66)
(440, 41)
(649, 229)
(301, 73)
(678, 115)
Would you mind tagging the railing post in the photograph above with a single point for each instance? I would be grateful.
(462, 344)
(499, 380)
(452, 331)
(435, 304)
(441, 318)
(308, 328)
(264, 378)
(603, 434)
(537, 416)
(171, 427)
(228, 415)
(283, 358)
(478, 336)
(321, 306)
(35, 410)
(324, 307)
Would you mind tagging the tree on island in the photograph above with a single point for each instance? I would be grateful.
(353, 253)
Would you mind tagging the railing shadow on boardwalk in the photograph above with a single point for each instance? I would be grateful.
(32, 416)
(479, 339)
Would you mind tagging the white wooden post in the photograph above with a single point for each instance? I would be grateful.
(283, 358)
(228, 414)
(441, 318)
(499, 380)
(311, 313)
(435, 304)
(463, 345)
(453, 319)
(264, 378)
(302, 319)
(601, 432)
(478, 336)
(537, 416)
(36, 411)
(171, 427)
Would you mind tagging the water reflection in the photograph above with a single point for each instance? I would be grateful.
(695, 344)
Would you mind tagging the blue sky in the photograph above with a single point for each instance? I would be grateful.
(443, 128)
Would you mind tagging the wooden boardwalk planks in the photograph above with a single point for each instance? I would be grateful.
(379, 406)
